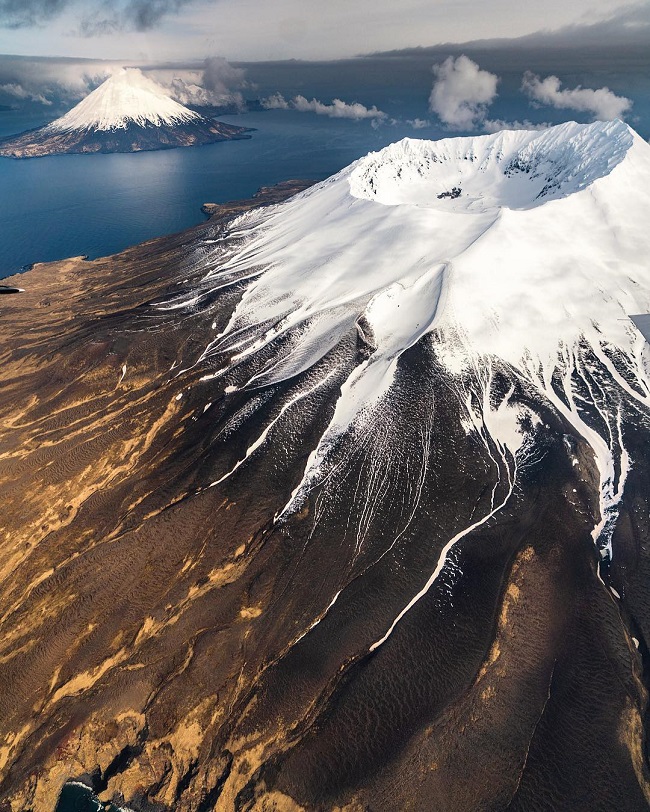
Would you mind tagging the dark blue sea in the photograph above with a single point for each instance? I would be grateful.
(61, 206)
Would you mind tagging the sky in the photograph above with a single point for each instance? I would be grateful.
(250, 30)
(514, 67)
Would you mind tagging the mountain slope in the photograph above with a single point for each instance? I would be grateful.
(128, 112)
(342, 503)
(535, 265)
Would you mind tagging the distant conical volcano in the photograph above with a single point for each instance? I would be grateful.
(128, 112)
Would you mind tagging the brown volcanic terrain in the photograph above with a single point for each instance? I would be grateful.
(181, 650)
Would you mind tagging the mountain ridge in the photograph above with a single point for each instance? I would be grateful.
(341, 504)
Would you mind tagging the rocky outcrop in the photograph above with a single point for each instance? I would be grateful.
(265, 196)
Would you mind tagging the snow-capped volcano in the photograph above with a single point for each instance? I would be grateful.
(128, 112)
(344, 502)
(127, 97)
(520, 253)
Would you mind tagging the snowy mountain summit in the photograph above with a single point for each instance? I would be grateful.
(128, 97)
(128, 112)
(510, 169)
(510, 260)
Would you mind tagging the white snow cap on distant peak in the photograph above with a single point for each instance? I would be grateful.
(127, 97)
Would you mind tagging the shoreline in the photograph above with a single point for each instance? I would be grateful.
(264, 196)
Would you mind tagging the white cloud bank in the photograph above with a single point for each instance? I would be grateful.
(498, 124)
(218, 83)
(275, 102)
(51, 82)
(65, 82)
(418, 123)
(337, 109)
(462, 93)
(17, 91)
(601, 104)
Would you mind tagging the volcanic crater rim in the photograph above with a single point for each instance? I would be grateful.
(511, 169)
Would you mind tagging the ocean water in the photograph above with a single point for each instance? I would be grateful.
(67, 205)
(76, 797)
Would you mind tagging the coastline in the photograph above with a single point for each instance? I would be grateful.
(264, 196)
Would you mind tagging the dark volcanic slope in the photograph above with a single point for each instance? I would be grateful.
(134, 138)
(164, 634)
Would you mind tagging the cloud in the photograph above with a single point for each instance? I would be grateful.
(253, 30)
(63, 82)
(496, 125)
(110, 16)
(621, 26)
(601, 103)
(52, 81)
(418, 123)
(100, 17)
(462, 92)
(27, 13)
(20, 92)
(337, 109)
(218, 83)
(219, 76)
(275, 102)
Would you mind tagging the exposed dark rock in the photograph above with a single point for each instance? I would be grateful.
(134, 138)
(162, 632)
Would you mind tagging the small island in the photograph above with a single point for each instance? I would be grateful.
(129, 112)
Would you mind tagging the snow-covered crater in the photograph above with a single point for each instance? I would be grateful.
(376, 241)
(509, 169)
(532, 268)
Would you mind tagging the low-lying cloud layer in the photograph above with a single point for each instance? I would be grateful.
(51, 82)
(337, 109)
(65, 82)
(17, 91)
(462, 93)
(219, 83)
(601, 103)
